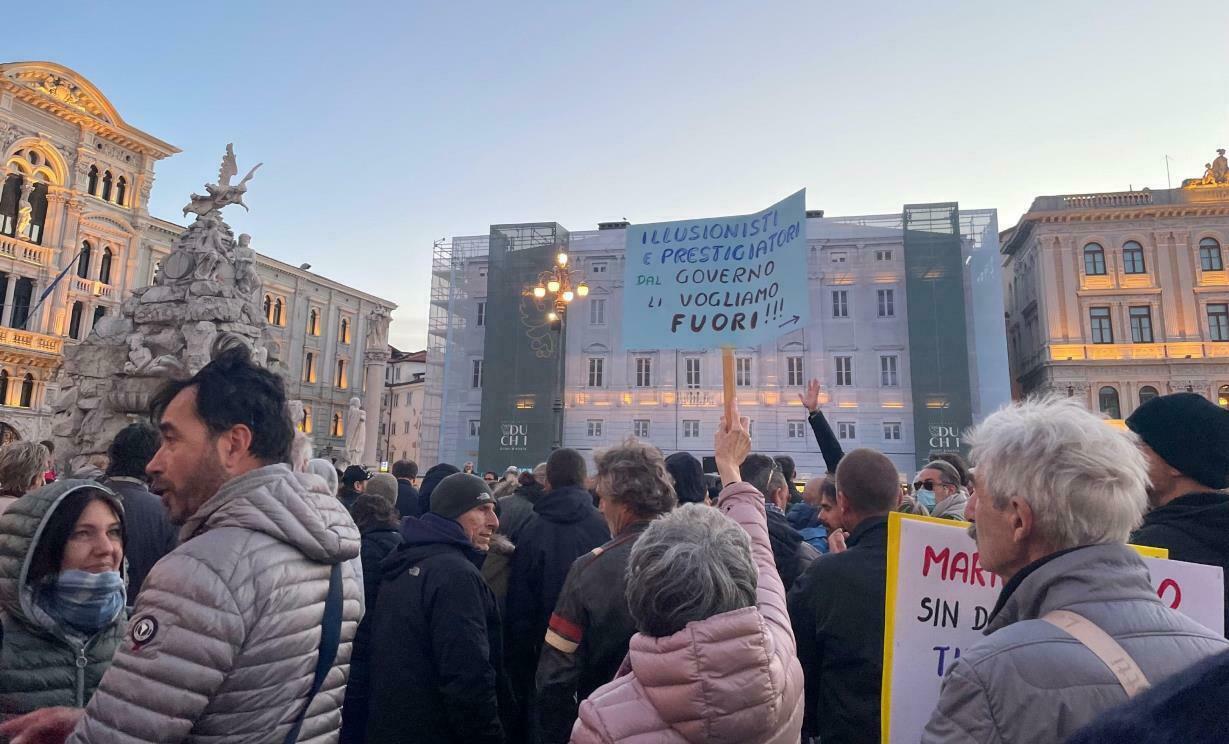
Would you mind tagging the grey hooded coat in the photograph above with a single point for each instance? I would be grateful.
(223, 640)
(1029, 681)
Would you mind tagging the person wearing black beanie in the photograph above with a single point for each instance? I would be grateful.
(1186, 440)
(430, 480)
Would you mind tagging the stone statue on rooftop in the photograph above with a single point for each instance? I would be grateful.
(222, 194)
(1220, 167)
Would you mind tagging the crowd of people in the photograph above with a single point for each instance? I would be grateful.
(210, 581)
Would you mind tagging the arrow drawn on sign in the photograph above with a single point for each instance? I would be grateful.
(794, 319)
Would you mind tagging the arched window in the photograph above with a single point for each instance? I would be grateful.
(336, 429)
(27, 391)
(104, 266)
(99, 313)
(10, 199)
(1222, 397)
(38, 212)
(313, 322)
(92, 185)
(4, 387)
(1132, 257)
(74, 320)
(1209, 255)
(1107, 400)
(83, 261)
(268, 308)
(1147, 393)
(107, 179)
(1094, 260)
(277, 311)
(121, 190)
(345, 331)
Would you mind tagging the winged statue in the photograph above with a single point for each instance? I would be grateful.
(222, 193)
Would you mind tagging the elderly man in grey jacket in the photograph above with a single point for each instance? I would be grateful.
(1058, 491)
(224, 639)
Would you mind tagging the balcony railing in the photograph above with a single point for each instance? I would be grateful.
(1126, 352)
(20, 250)
(92, 287)
(28, 340)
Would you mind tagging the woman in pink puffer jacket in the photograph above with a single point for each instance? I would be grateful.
(714, 659)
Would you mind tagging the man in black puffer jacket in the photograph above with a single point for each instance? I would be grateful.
(436, 672)
(567, 526)
(790, 552)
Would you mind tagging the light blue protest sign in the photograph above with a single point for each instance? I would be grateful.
(724, 281)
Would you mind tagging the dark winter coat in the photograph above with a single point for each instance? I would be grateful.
(567, 526)
(790, 552)
(516, 510)
(378, 544)
(430, 480)
(150, 535)
(436, 676)
(347, 497)
(836, 608)
(1187, 708)
(829, 445)
(588, 635)
(1195, 529)
(407, 499)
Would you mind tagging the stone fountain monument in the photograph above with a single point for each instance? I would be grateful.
(206, 297)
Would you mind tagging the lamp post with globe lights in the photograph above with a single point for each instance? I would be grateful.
(559, 286)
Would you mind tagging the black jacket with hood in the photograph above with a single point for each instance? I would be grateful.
(436, 643)
(567, 526)
(1195, 529)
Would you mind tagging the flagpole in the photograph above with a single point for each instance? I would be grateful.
(47, 292)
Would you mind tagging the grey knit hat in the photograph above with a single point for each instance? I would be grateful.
(458, 493)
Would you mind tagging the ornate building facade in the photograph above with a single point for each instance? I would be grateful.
(74, 207)
(1118, 297)
(401, 412)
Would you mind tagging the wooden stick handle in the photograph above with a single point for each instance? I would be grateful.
(727, 380)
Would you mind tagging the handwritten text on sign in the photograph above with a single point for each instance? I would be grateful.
(940, 598)
(726, 281)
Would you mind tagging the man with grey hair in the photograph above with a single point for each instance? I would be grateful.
(937, 487)
(587, 638)
(22, 465)
(792, 554)
(1078, 627)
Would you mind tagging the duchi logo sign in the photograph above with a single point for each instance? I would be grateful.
(944, 437)
(513, 437)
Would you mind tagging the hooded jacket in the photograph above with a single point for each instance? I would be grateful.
(566, 527)
(435, 668)
(1030, 681)
(1195, 528)
(378, 543)
(41, 662)
(225, 635)
(731, 678)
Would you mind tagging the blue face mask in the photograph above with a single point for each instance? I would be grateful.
(85, 602)
(926, 497)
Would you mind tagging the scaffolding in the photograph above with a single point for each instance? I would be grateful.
(449, 258)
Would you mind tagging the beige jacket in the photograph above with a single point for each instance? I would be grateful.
(223, 640)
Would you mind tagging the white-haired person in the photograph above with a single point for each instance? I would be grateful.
(22, 468)
(713, 658)
(1078, 627)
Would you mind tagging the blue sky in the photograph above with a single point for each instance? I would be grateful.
(384, 126)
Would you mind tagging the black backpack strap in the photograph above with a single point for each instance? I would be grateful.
(330, 639)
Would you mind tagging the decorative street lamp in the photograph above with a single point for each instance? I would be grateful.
(563, 285)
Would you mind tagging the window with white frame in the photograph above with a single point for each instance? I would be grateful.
(846, 430)
(474, 426)
(1218, 322)
(742, 371)
(481, 314)
(793, 371)
(476, 377)
(844, 371)
(887, 371)
(597, 369)
(887, 303)
(644, 372)
(594, 428)
(883, 255)
(840, 303)
(597, 267)
(691, 428)
(838, 257)
(891, 431)
(692, 368)
(640, 428)
(795, 429)
(597, 311)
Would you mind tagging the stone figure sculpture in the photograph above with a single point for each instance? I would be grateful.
(377, 329)
(296, 410)
(356, 432)
(1220, 167)
(222, 194)
(199, 337)
(25, 212)
(139, 357)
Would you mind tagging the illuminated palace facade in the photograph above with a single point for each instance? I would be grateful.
(1118, 297)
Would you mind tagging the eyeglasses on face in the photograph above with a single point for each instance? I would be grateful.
(929, 485)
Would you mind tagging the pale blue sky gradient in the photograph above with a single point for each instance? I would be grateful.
(385, 126)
